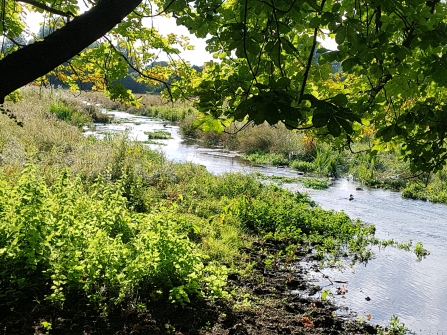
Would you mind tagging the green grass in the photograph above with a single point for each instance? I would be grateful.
(158, 135)
(70, 114)
(260, 157)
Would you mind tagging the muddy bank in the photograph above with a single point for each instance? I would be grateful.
(276, 299)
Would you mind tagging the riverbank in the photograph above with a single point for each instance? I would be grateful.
(101, 236)
(278, 146)
(273, 301)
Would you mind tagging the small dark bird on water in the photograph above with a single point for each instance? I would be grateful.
(351, 197)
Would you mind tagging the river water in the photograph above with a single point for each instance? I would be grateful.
(395, 282)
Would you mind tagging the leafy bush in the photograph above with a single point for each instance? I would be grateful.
(414, 191)
(280, 214)
(327, 161)
(88, 241)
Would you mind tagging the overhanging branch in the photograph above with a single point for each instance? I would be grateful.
(37, 59)
(47, 8)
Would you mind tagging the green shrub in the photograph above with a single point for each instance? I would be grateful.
(328, 161)
(62, 111)
(63, 239)
(280, 214)
(414, 191)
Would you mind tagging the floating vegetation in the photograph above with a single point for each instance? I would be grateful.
(153, 142)
(314, 183)
(158, 135)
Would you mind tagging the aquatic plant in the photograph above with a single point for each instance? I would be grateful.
(158, 135)
(315, 183)
(260, 157)
(420, 251)
(396, 327)
(303, 166)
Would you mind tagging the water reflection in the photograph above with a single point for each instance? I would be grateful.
(395, 282)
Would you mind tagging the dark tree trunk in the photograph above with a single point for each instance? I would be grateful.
(37, 59)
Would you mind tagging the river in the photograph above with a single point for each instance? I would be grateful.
(395, 282)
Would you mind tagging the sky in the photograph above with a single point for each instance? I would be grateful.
(198, 56)
(164, 25)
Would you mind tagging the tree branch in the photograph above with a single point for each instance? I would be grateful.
(166, 84)
(37, 59)
(47, 8)
(311, 57)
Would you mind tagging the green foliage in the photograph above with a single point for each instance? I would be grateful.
(88, 241)
(70, 114)
(420, 251)
(314, 183)
(279, 214)
(14, 96)
(395, 327)
(260, 157)
(302, 166)
(435, 191)
(158, 135)
(167, 112)
(327, 161)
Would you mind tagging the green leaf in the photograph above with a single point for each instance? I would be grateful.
(262, 86)
(320, 120)
(341, 35)
(386, 133)
(348, 64)
(283, 83)
(340, 100)
(314, 22)
(345, 125)
(333, 127)
(289, 112)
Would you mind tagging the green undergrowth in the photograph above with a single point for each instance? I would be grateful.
(71, 237)
(260, 157)
(76, 113)
(166, 112)
(314, 183)
(435, 191)
(172, 233)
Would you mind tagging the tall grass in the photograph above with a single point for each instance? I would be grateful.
(327, 161)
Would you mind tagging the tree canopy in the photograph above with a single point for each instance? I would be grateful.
(271, 64)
